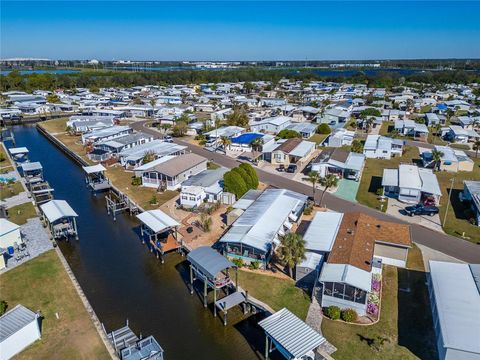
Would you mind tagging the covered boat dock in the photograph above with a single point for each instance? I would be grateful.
(60, 218)
(19, 155)
(213, 269)
(95, 177)
(32, 173)
(293, 338)
(160, 230)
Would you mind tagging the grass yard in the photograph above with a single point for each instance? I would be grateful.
(372, 175)
(212, 165)
(458, 213)
(276, 292)
(21, 213)
(55, 125)
(318, 138)
(401, 333)
(9, 190)
(435, 140)
(42, 284)
(141, 195)
(386, 128)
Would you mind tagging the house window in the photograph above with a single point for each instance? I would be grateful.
(338, 290)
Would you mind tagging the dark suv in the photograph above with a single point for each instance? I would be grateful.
(291, 168)
(420, 209)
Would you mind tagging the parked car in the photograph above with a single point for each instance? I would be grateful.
(429, 201)
(281, 168)
(168, 139)
(291, 168)
(421, 209)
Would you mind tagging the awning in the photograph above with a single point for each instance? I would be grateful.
(94, 169)
(157, 220)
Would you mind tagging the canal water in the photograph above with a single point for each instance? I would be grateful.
(122, 279)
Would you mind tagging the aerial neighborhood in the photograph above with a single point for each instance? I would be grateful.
(320, 207)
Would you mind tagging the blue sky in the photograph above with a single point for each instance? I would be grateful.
(249, 30)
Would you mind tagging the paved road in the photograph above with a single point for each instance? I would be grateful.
(455, 247)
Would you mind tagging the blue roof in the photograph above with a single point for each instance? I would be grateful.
(441, 107)
(247, 138)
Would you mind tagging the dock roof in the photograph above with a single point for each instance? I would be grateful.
(94, 169)
(208, 261)
(32, 166)
(157, 220)
(292, 334)
(57, 209)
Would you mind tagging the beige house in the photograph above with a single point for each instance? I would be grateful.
(292, 151)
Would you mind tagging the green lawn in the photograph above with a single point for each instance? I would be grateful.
(21, 213)
(372, 175)
(212, 165)
(9, 190)
(318, 138)
(458, 213)
(42, 284)
(403, 331)
(436, 140)
(386, 128)
(277, 293)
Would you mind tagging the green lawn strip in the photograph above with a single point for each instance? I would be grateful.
(42, 284)
(277, 293)
(372, 175)
(459, 214)
(21, 213)
(55, 125)
(9, 190)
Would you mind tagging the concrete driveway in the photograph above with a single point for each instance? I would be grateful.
(395, 208)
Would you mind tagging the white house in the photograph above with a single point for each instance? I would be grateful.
(410, 127)
(456, 133)
(341, 137)
(411, 184)
(382, 147)
(19, 328)
(306, 130)
(272, 125)
(343, 164)
(205, 186)
(455, 300)
(108, 133)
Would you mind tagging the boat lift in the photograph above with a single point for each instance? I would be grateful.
(60, 219)
(42, 192)
(95, 178)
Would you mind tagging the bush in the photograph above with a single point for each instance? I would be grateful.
(357, 147)
(253, 174)
(3, 307)
(323, 129)
(153, 200)
(288, 134)
(372, 309)
(234, 183)
(255, 265)
(349, 315)
(238, 262)
(308, 210)
(333, 312)
(136, 181)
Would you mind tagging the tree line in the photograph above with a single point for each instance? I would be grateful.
(100, 79)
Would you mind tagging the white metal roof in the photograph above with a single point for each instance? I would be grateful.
(409, 177)
(57, 209)
(458, 302)
(209, 261)
(18, 150)
(14, 320)
(154, 163)
(157, 220)
(31, 166)
(355, 161)
(348, 274)
(94, 169)
(312, 260)
(390, 177)
(7, 226)
(429, 181)
(303, 149)
(322, 231)
(291, 333)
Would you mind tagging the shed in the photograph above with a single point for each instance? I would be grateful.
(308, 269)
(292, 337)
(19, 328)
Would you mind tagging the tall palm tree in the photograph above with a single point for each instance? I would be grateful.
(292, 250)
(369, 123)
(153, 102)
(436, 157)
(327, 182)
(314, 178)
(257, 144)
(437, 128)
(476, 147)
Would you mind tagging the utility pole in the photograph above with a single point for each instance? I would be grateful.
(448, 201)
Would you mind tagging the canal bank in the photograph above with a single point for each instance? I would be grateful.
(122, 279)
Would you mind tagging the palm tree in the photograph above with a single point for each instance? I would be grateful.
(369, 123)
(153, 102)
(225, 141)
(292, 250)
(257, 144)
(327, 182)
(314, 178)
(436, 157)
(476, 147)
(437, 128)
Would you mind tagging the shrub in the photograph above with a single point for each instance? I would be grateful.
(136, 181)
(308, 210)
(238, 262)
(3, 307)
(234, 183)
(376, 285)
(357, 147)
(372, 309)
(253, 174)
(288, 134)
(153, 200)
(323, 129)
(349, 315)
(374, 298)
(255, 265)
(333, 312)
(205, 222)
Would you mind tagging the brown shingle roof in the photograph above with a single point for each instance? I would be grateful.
(179, 164)
(356, 237)
(289, 145)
